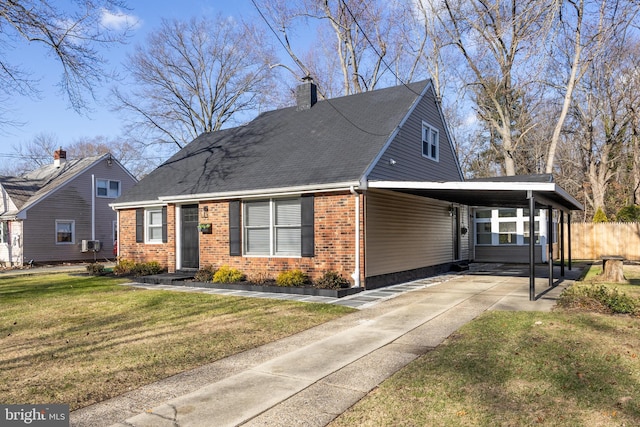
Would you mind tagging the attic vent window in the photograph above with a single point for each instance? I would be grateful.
(430, 142)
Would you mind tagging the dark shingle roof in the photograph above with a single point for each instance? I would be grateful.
(31, 187)
(334, 141)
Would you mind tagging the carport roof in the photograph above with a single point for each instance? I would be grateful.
(511, 191)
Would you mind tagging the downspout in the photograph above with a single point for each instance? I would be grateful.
(93, 207)
(356, 273)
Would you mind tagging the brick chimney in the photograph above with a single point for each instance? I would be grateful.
(59, 157)
(306, 94)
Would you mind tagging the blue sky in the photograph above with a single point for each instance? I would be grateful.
(51, 113)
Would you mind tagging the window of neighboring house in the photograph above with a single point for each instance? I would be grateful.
(272, 227)
(107, 188)
(153, 225)
(430, 142)
(65, 231)
(4, 232)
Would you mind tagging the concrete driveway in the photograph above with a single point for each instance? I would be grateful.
(312, 377)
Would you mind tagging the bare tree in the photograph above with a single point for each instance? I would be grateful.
(194, 77)
(602, 121)
(71, 34)
(587, 29)
(358, 47)
(39, 152)
(497, 41)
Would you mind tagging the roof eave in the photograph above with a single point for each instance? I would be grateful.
(244, 194)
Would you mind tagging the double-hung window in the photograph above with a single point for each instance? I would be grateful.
(107, 188)
(273, 227)
(430, 142)
(153, 225)
(65, 231)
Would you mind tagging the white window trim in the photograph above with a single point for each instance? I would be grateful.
(73, 231)
(272, 230)
(147, 225)
(427, 127)
(519, 219)
(109, 181)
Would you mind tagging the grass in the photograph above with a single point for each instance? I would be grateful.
(564, 368)
(80, 340)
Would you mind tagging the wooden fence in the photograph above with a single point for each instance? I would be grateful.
(594, 240)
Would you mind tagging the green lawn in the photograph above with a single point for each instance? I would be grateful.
(79, 339)
(564, 368)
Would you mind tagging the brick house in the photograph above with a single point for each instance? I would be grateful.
(47, 214)
(308, 187)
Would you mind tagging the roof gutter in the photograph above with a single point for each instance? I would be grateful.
(243, 194)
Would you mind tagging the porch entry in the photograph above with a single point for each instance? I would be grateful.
(189, 244)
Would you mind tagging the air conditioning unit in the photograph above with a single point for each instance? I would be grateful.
(91, 245)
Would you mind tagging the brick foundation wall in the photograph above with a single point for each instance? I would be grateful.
(334, 238)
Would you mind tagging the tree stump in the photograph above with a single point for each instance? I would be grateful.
(612, 269)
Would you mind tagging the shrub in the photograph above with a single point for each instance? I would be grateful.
(629, 213)
(96, 269)
(146, 268)
(124, 267)
(600, 216)
(226, 274)
(205, 274)
(598, 298)
(292, 278)
(332, 280)
(260, 278)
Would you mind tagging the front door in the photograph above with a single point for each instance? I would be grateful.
(190, 241)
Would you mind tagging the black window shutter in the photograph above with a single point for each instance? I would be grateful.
(308, 244)
(139, 225)
(164, 224)
(235, 248)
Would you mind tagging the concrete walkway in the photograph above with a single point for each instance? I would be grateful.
(312, 377)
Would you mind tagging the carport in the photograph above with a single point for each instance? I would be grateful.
(523, 191)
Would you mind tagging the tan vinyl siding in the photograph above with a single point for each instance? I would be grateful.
(406, 150)
(405, 232)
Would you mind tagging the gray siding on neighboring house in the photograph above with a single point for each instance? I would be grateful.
(73, 202)
(405, 232)
(406, 150)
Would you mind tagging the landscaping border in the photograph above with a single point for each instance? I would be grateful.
(181, 280)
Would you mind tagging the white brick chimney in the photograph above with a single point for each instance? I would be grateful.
(59, 157)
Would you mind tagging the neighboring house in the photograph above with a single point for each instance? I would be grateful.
(325, 185)
(46, 214)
